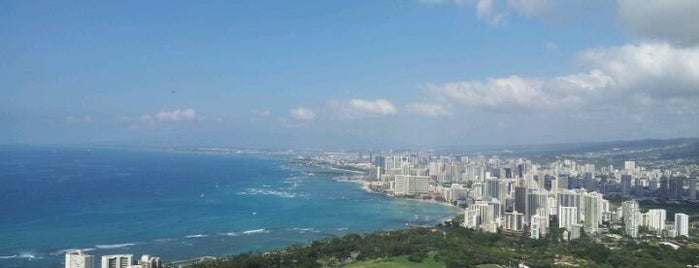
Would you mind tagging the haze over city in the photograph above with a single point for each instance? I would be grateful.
(348, 73)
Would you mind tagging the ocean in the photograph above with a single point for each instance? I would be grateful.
(177, 205)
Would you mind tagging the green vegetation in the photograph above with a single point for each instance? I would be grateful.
(453, 246)
(399, 262)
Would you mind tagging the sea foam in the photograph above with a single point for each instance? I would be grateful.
(256, 231)
(115, 246)
(197, 236)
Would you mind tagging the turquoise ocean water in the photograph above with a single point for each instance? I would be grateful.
(176, 205)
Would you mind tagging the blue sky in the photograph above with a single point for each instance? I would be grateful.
(343, 74)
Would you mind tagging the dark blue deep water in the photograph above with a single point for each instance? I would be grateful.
(176, 205)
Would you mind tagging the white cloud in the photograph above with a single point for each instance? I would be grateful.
(302, 113)
(670, 20)
(428, 109)
(358, 108)
(496, 11)
(486, 10)
(658, 69)
(515, 92)
(152, 120)
(174, 115)
(166, 116)
(551, 46)
(634, 76)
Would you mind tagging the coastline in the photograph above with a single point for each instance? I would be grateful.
(366, 187)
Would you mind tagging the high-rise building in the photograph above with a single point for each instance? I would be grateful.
(410, 185)
(483, 215)
(537, 200)
(380, 161)
(78, 259)
(117, 261)
(626, 184)
(148, 261)
(675, 185)
(567, 217)
(514, 221)
(692, 189)
(593, 211)
(568, 198)
(629, 165)
(682, 224)
(656, 220)
(631, 217)
(521, 199)
(563, 182)
(537, 226)
(491, 188)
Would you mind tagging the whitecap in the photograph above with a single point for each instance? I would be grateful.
(9, 257)
(255, 231)
(197, 236)
(115, 246)
(26, 256)
(257, 191)
(231, 234)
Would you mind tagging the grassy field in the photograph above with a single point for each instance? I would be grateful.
(403, 262)
(398, 262)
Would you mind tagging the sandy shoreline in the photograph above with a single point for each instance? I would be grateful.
(366, 187)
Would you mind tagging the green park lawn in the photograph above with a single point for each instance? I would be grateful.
(398, 262)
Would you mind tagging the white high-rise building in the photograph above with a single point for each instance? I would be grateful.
(483, 215)
(629, 165)
(78, 259)
(631, 217)
(535, 230)
(117, 261)
(537, 201)
(656, 220)
(593, 211)
(411, 185)
(682, 224)
(514, 221)
(567, 217)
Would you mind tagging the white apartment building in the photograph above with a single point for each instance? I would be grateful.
(78, 259)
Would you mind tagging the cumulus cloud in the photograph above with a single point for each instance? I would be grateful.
(428, 109)
(644, 74)
(302, 113)
(657, 69)
(674, 21)
(358, 108)
(515, 92)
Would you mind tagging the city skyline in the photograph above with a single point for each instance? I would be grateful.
(346, 74)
